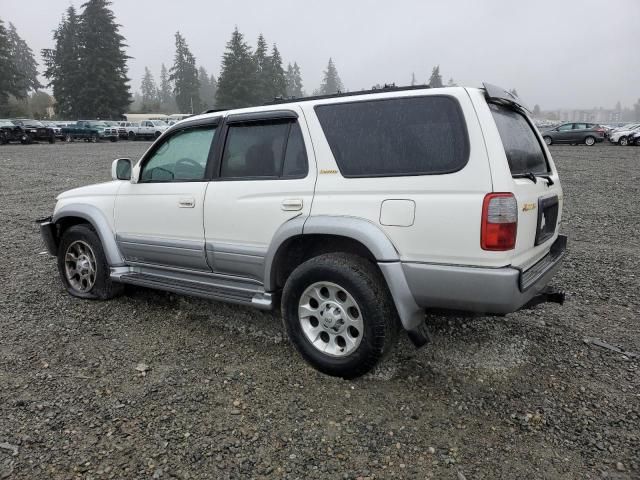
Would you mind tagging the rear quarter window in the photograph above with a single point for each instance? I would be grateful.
(397, 136)
(521, 145)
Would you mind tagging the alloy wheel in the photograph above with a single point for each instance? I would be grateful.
(80, 266)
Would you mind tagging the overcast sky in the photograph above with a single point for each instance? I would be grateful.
(556, 53)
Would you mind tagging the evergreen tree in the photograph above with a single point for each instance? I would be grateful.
(207, 89)
(264, 80)
(331, 82)
(24, 63)
(104, 90)
(63, 66)
(277, 80)
(150, 94)
(9, 77)
(436, 79)
(238, 81)
(165, 94)
(184, 76)
(451, 83)
(294, 81)
(536, 110)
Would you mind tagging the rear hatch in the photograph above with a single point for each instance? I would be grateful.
(533, 181)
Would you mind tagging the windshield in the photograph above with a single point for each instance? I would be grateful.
(98, 124)
(159, 123)
(5, 124)
(521, 145)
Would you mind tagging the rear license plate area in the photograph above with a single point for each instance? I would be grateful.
(547, 219)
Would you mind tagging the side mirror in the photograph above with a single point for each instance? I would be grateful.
(121, 169)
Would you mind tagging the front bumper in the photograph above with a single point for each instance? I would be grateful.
(478, 289)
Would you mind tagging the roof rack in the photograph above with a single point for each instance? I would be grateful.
(384, 89)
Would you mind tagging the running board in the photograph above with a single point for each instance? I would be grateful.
(232, 291)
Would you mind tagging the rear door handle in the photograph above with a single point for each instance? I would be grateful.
(187, 203)
(292, 204)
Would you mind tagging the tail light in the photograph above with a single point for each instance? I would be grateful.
(499, 222)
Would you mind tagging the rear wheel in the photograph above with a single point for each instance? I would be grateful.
(83, 265)
(93, 138)
(52, 139)
(590, 141)
(157, 134)
(339, 314)
(623, 141)
(548, 140)
(114, 139)
(132, 136)
(68, 138)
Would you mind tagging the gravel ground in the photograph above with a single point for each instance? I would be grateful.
(224, 395)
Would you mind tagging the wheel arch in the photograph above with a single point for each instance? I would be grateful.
(76, 214)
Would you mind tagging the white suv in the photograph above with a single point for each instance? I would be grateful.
(353, 213)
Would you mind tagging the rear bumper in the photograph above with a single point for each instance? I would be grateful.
(48, 232)
(477, 289)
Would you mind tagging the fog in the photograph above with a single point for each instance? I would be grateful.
(558, 54)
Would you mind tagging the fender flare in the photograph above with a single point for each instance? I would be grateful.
(369, 235)
(96, 218)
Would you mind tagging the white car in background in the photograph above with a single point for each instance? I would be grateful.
(621, 135)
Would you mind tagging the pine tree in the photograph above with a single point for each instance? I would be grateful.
(165, 94)
(264, 87)
(184, 75)
(331, 82)
(207, 89)
(294, 81)
(63, 65)
(536, 110)
(9, 77)
(24, 63)
(150, 94)
(104, 91)
(436, 79)
(451, 83)
(277, 81)
(238, 81)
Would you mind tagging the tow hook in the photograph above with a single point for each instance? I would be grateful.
(548, 295)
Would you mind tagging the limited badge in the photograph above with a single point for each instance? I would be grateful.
(528, 206)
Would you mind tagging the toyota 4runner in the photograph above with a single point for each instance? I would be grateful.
(353, 213)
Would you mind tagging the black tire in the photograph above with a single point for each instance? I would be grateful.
(114, 139)
(623, 141)
(94, 138)
(638, 142)
(157, 134)
(548, 140)
(132, 136)
(590, 141)
(68, 138)
(103, 288)
(364, 282)
(52, 139)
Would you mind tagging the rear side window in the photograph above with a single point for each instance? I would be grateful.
(268, 150)
(397, 136)
(521, 145)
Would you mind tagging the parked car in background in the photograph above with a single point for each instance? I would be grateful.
(11, 133)
(35, 130)
(148, 129)
(574, 133)
(634, 138)
(622, 135)
(127, 129)
(90, 131)
(57, 129)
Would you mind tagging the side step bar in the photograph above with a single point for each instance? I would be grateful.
(199, 286)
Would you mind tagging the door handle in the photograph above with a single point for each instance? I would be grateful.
(292, 204)
(186, 203)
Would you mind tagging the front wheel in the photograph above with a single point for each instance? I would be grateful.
(623, 141)
(93, 138)
(52, 139)
(68, 138)
(548, 140)
(339, 314)
(589, 141)
(83, 265)
(132, 136)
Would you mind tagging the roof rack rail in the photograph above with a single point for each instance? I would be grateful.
(386, 88)
(214, 110)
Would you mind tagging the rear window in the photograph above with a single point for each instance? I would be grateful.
(395, 137)
(521, 145)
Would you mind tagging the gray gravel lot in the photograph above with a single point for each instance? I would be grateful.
(225, 396)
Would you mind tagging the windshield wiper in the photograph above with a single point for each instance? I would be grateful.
(534, 178)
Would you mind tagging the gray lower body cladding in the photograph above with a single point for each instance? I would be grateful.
(485, 290)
